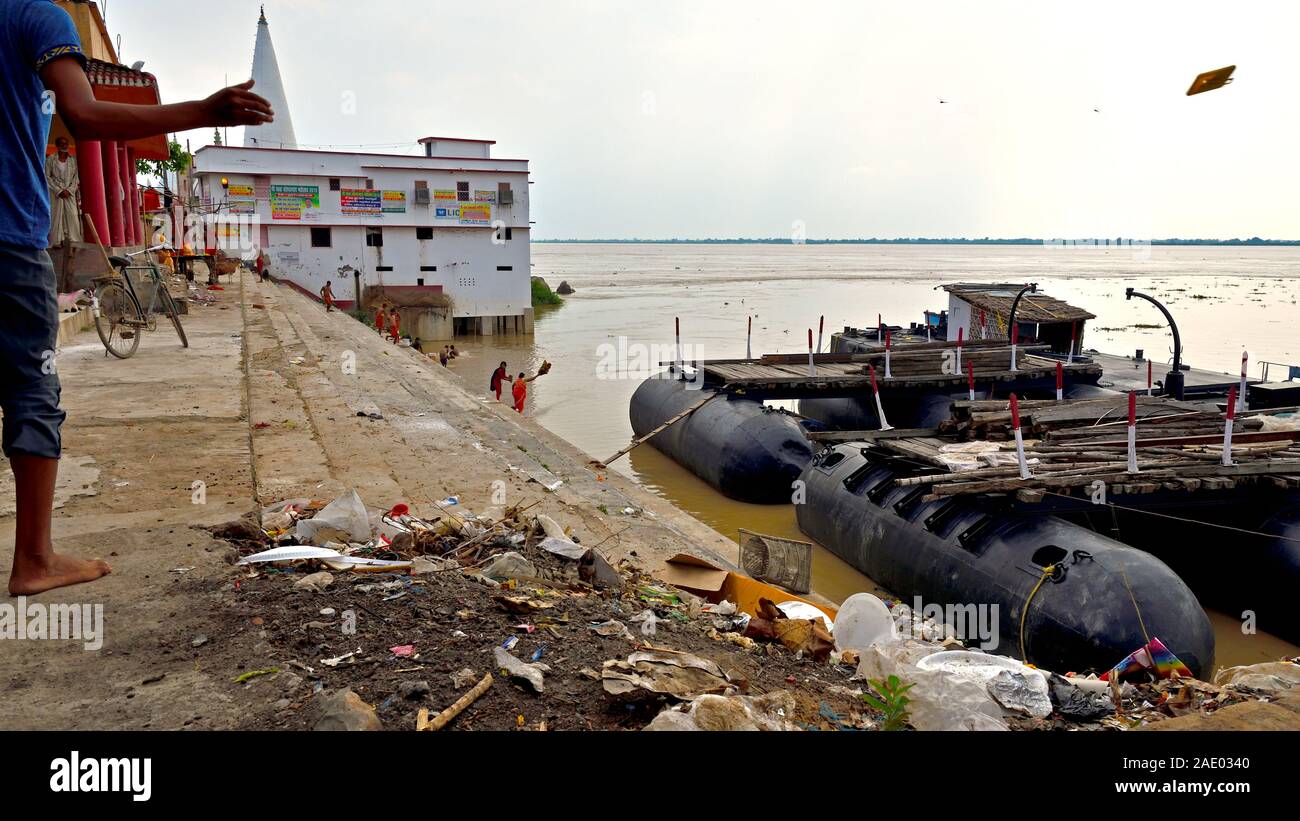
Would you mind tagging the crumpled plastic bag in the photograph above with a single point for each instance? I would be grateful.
(1021, 692)
(509, 565)
(663, 672)
(939, 700)
(1268, 677)
(729, 714)
(344, 519)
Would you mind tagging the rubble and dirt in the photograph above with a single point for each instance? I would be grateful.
(546, 635)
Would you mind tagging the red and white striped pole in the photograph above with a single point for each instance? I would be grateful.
(960, 334)
(1060, 382)
(1151, 384)
(812, 367)
(1227, 426)
(880, 409)
(821, 324)
(749, 339)
(1074, 331)
(1020, 439)
(889, 340)
(677, 322)
(1014, 336)
(971, 381)
(1241, 391)
(1132, 432)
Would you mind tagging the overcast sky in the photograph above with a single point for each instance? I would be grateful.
(726, 119)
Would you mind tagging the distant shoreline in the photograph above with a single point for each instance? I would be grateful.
(1119, 242)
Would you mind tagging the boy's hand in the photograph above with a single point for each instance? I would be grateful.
(237, 106)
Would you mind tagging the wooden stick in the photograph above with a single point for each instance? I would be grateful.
(422, 722)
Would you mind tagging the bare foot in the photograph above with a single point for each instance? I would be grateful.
(57, 571)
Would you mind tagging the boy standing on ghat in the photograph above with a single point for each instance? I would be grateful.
(41, 69)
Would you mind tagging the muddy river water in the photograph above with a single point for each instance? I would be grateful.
(620, 321)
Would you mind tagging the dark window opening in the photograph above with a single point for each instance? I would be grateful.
(428, 267)
(505, 267)
(420, 282)
(335, 184)
(509, 234)
(375, 237)
(424, 232)
(320, 238)
(369, 183)
(383, 269)
(462, 192)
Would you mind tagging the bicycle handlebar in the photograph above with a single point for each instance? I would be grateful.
(148, 250)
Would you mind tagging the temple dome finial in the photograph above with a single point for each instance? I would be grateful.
(266, 75)
(262, 19)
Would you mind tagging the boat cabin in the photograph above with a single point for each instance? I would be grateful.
(982, 310)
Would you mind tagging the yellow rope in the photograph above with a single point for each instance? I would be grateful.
(1024, 611)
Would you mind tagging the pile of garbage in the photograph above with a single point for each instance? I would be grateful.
(523, 617)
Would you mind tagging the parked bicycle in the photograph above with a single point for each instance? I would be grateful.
(120, 314)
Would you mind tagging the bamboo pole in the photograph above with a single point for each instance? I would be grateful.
(422, 722)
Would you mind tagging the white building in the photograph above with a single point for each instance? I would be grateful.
(453, 222)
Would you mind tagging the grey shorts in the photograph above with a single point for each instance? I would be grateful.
(29, 330)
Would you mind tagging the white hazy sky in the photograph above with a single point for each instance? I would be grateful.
(726, 119)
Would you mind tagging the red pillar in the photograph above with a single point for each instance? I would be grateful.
(90, 169)
(113, 193)
(135, 197)
(130, 229)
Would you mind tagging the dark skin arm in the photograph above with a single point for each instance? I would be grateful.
(91, 119)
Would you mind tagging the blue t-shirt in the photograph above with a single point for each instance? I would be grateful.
(32, 32)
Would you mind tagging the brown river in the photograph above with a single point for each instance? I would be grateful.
(620, 321)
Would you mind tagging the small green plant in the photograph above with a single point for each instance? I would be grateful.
(890, 700)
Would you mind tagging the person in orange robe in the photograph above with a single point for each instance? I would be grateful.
(327, 296)
(520, 391)
(379, 320)
(395, 326)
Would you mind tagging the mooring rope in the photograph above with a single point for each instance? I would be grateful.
(1024, 611)
(1182, 519)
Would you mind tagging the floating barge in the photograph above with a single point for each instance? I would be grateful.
(1230, 531)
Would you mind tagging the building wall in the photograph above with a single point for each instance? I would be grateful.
(483, 277)
(466, 260)
(95, 41)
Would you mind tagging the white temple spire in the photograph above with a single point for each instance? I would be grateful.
(267, 82)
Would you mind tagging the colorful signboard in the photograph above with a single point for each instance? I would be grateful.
(240, 192)
(484, 196)
(294, 202)
(475, 213)
(444, 196)
(394, 202)
(355, 202)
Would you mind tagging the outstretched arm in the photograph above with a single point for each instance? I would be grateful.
(91, 119)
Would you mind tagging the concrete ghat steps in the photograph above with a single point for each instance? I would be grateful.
(437, 436)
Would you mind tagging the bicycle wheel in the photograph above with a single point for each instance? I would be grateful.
(169, 305)
(118, 319)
